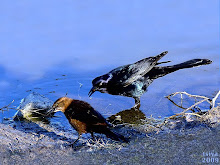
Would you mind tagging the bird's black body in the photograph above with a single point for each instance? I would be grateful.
(132, 80)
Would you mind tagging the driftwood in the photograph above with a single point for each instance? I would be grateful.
(210, 101)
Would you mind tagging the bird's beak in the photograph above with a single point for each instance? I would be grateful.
(91, 91)
(54, 109)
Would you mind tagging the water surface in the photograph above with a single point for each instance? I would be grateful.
(55, 48)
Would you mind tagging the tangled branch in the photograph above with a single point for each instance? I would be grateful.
(210, 101)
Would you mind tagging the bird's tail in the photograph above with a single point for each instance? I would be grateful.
(159, 71)
(116, 136)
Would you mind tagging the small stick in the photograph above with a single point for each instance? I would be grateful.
(193, 114)
(214, 99)
(181, 99)
(196, 96)
(7, 106)
(180, 106)
(179, 114)
(203, 97)
(195, 105)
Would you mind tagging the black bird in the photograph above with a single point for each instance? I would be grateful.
(132, 80)
(84, 118)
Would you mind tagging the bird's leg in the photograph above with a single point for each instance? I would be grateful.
(137, 103)
(93, 137)
(79, 136)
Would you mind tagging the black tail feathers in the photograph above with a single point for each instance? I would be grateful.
(116, 136)
(192, 63)
(159, 71)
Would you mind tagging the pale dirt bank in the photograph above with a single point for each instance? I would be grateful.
(42, 144)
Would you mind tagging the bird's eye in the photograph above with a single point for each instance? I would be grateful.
(100, 84)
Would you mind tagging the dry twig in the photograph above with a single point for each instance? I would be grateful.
(214, 99)
(210, 101)
(7, 107)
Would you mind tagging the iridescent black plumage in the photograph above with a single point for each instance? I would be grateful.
(132, 80)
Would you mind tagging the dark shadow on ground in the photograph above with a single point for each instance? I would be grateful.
(130, 116)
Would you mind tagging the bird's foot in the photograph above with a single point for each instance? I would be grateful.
(72, 144)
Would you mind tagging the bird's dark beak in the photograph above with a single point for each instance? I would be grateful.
(92, 91)
(53, 108)
(56, 110)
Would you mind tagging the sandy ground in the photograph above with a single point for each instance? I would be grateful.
(38, 143)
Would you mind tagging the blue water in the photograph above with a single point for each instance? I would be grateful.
(59, 47)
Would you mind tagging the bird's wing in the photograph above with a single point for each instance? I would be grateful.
(127, 74)
(83, 112)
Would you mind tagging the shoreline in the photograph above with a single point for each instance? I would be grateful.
(47, 145)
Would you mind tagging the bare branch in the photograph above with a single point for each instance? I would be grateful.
(7, 107)
(211, 102)
(214, 99)
(195, 96)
